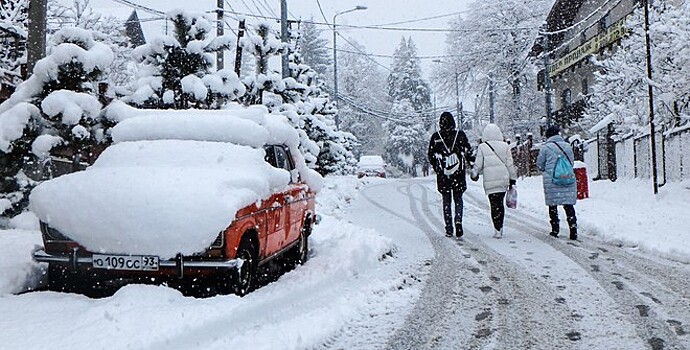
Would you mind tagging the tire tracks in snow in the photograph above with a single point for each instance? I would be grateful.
(520, 312)
(649, 294)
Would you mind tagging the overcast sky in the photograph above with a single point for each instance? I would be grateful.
(378, 42)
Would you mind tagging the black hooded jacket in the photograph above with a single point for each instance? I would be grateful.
(446, 141)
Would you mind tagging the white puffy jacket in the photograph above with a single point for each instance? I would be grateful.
(497, 167)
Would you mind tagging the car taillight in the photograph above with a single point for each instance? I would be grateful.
(52, 234)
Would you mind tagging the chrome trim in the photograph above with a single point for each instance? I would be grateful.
(41, 256)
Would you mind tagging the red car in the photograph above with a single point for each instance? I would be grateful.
(274, 227)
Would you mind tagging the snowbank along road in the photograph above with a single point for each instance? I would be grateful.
(525, 291)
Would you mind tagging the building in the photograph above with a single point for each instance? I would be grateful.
(578, 30)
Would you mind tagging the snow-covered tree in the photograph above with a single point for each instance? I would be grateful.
(405, 81)
(262, 45)
(326, 149)
(172, 68)
(620, 94)
(366, 94)
(492, 42)
(407, 139)
(57, 105)
(313, 48)
(411, 99)
(13, 19)
(106, 29)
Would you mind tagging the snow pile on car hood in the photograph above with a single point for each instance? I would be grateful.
(163, 196)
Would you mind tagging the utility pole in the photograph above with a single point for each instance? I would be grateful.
(284, 37)
(238, 51)
(220, 54)
(650, 92)
(547, 78)
(36, 41)
(491, 97)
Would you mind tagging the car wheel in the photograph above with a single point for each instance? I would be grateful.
(246, 274)
(299, 253)
(302, 248)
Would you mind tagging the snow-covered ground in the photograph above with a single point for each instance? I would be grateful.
(355, 273)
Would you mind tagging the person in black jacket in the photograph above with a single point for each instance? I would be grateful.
(449, 151)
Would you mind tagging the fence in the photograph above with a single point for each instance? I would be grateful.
(631, 158)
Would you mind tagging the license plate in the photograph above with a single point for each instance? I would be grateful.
(126, 262)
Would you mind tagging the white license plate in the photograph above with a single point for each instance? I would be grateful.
(126, 262)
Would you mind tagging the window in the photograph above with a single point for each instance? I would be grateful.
(566, 98)
(279, 157)
(282, 159)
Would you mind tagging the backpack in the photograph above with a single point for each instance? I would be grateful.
(563, 174)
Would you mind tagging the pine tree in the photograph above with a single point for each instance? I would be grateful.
(313, 48)
(370, 92)
(262, 45)
(106, 29)
(172, 68)
(56, 106)
(326, 149)
(411, 99)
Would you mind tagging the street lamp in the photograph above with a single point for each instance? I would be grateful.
(335, 58)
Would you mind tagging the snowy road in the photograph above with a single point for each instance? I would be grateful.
(526, 291)
(383, 276)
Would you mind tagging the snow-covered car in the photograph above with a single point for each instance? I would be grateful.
(371, 166)
(196, 199)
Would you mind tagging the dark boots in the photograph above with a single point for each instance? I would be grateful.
(554, 228)
(570, 218)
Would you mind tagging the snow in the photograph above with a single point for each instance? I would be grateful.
(43, 144)
(194, 86)
(13, 121)
(73, 106)
(347, 278)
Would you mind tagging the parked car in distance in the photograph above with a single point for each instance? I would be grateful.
(198, 208)
(371, 166)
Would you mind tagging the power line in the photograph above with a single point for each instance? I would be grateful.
(404, 29)
(266, 6)
(360, 51)
(140, 7)
(422, 19)
(321, 10)
(257, 7)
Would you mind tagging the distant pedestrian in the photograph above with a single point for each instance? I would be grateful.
(495, 161)
(557, 194)
(449, 150)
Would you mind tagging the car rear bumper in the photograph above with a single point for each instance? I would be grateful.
(179, 265)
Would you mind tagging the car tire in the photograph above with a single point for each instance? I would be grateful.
(245, 276)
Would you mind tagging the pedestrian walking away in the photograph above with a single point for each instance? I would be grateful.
(449, 152)
(555, 155)
(494, 161)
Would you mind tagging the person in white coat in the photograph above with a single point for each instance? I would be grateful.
(495, 162)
